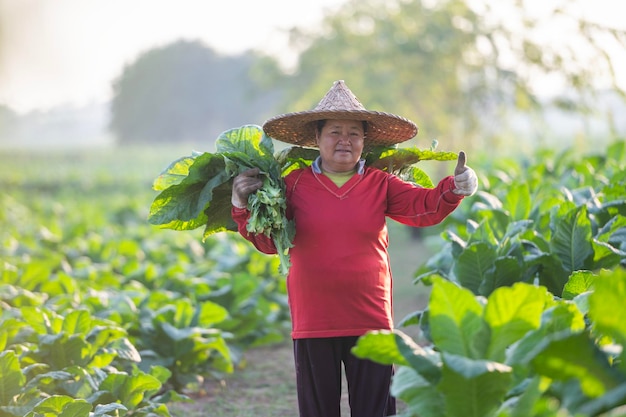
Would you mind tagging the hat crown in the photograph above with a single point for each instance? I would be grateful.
(339, 97)
(299, 128)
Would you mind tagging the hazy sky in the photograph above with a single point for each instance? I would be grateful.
(55, 52)
(61, 51)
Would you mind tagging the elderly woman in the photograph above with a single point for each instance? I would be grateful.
(340, 282)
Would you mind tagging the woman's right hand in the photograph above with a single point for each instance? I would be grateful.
(245, 184)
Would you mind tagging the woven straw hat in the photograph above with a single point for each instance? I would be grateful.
(298, 128)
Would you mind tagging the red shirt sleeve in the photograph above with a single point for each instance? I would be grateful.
(416, 206)
(261, 242)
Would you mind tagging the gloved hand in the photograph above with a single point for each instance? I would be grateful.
(465, 180)
(245, 184)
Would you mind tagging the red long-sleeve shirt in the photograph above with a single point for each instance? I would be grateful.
(340, 281)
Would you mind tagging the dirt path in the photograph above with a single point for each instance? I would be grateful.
(265, 386)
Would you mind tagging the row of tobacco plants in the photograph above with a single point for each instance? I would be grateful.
(526, 315)
(103, 314)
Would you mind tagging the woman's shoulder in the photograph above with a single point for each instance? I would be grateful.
(296, 173)
(376, 172)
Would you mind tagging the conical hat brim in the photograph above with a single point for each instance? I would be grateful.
(383, 129)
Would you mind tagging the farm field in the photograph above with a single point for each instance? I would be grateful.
(100, 307)
(74, 226)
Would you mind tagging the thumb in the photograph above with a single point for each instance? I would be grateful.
(460, 164)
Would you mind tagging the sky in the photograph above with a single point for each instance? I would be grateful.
(56, 52)
(67, 52)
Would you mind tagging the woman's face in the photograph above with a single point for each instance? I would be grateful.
(341, 144)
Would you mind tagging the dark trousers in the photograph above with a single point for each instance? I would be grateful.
(318, 377)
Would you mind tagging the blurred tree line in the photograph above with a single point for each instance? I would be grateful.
(459, 72)
(183, 92)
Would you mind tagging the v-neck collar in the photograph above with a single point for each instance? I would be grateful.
(317, 166)
(330, 186)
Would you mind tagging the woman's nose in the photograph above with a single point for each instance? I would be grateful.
(345, 138)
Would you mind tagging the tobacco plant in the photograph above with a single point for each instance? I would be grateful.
(526, 314)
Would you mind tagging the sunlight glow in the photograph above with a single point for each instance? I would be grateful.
(67, 52)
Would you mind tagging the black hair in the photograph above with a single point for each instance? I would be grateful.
(320, 125)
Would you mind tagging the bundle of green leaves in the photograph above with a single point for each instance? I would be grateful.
(195, 190)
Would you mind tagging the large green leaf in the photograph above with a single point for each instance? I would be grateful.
(456, 322)
(550, 271)
(61, 406)
(109, 409)
(515, 232)
(571, 236)
(394, 159)
(471, 387)
(380, 347)
(416, 176)
(294, 157)
(249, 140)
(607, 312)
(219, 218)
(474, 265)
(484, 231)
(124, 349)
(395, 347)
(524, 404)
(561, 318)
(174, 173)
(605, 255)
(425, 361)
(609, 244)
(224, 362)
(575, 356)
(11, 377)
(507, 271)
(614, 399)
(77, 322)
(62, 350)
(210, 313)
(9, 329)
(177, 208)
(511, 312)
(579, 282)
(517, 201)
(421, 397)
(130, 389)
(182, 206)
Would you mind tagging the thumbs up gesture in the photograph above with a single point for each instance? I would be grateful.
(465, 180)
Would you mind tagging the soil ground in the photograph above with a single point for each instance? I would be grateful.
(264, 384)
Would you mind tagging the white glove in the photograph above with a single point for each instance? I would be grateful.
(237, 202)
(465, 180)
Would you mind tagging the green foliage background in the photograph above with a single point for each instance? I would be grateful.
(95, 300)
(522, 317)
(154, 304)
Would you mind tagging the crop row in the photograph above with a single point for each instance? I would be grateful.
(526, 314)
(104, 314)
